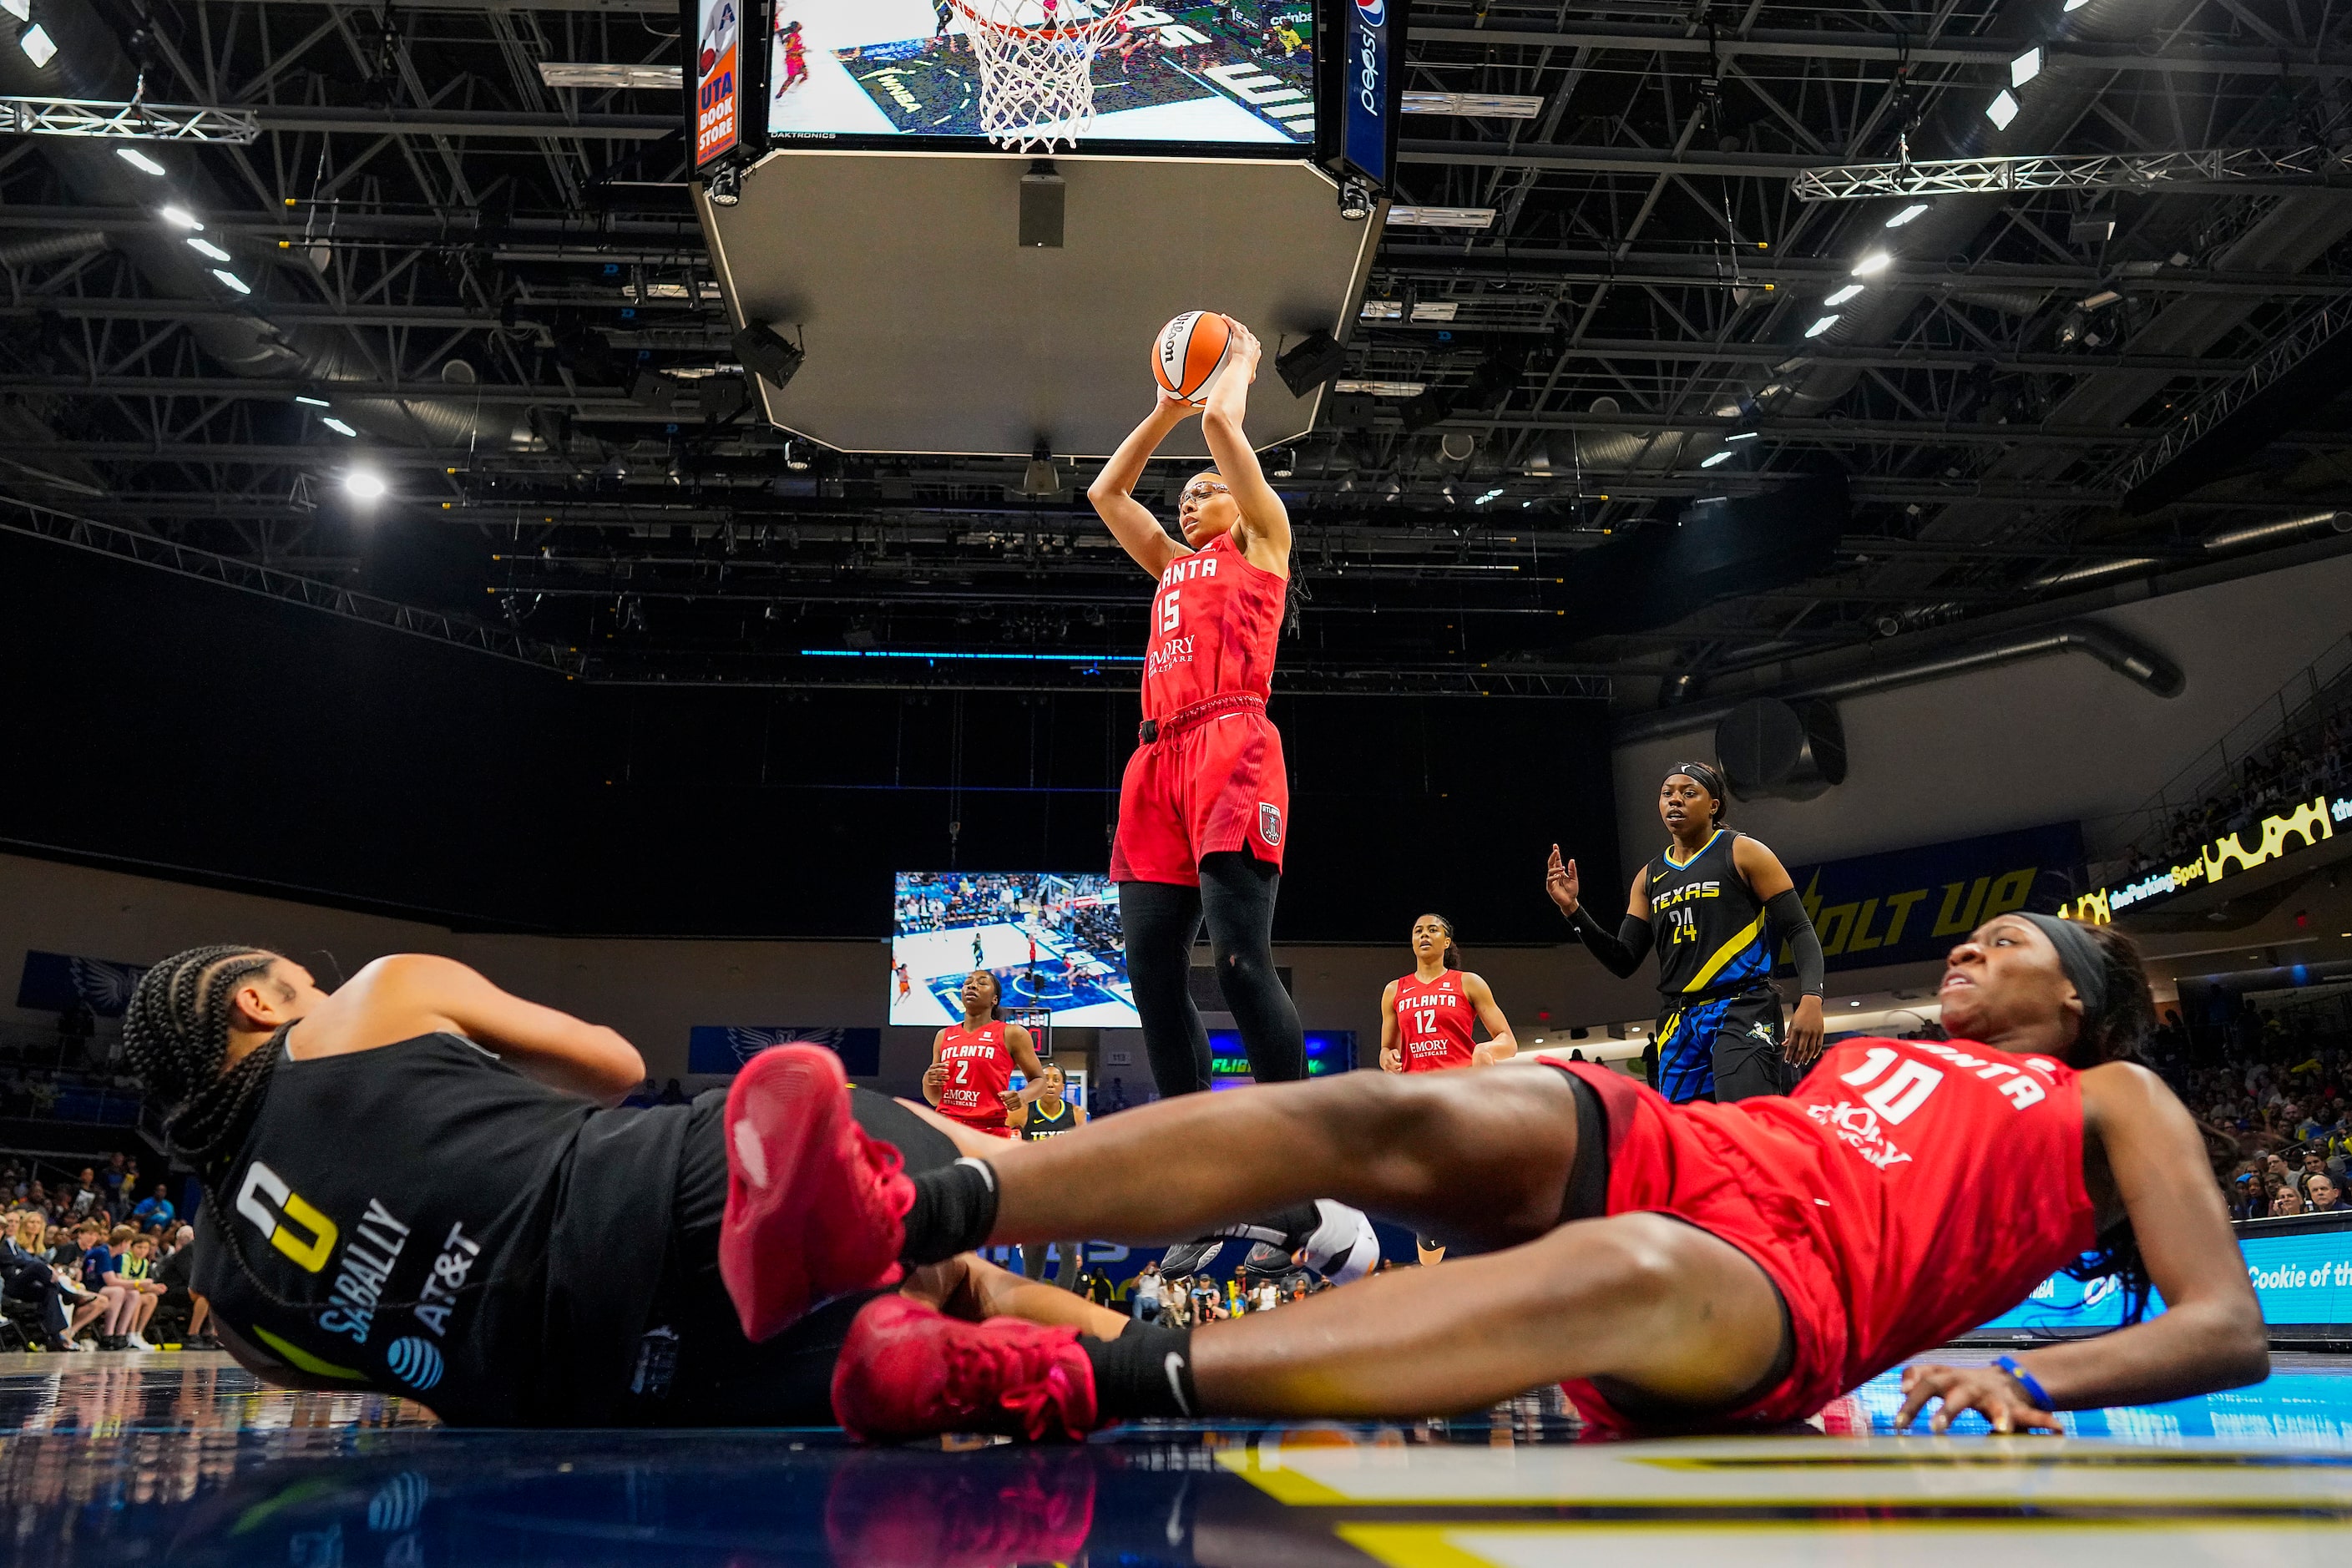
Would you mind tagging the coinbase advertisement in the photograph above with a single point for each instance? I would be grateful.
(2302, 1274)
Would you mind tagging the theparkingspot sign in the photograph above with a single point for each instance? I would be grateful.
(2313, 822)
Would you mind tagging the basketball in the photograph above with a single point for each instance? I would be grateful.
(1190, 351)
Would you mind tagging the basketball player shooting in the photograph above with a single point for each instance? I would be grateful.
(1204, 806)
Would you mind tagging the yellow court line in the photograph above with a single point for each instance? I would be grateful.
(1279, 1482)
(1429, 1546)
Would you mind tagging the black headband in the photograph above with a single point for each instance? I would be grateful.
(2085, 966)
(1705, 777)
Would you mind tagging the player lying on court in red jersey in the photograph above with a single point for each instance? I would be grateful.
(970, 1079)
(1674, 1266)
(1204, 806)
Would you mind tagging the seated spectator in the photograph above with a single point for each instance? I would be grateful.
(27, 1277)
(156, 1209)
(182, 1313)
(2322, 1196)
(2287, 1202)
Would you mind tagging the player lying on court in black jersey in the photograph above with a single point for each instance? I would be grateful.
(389, 1205)
(1673, 1265)
(1717, 904)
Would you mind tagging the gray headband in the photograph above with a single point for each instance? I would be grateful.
(2080, 958)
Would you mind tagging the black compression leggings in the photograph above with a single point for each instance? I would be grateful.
(1162, 921)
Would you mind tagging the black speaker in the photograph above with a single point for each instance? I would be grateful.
(1786, 751)
(1310, 362)
(765, 353)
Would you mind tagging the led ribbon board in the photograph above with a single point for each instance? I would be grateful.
(2310, 822)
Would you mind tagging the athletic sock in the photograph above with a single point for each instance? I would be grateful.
(955, 1208)
(1145, 1371)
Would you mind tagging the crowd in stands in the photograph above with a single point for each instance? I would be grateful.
(2271, 1088)
(87, 1262)
(976, 899)
(2309, 758)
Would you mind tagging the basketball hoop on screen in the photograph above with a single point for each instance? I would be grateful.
(1037, 60)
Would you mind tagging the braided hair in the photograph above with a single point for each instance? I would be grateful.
(175, 1038)
(2118, 1032)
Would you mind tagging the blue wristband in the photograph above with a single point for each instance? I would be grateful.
(2026, 1380)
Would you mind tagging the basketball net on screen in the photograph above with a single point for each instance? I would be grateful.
(1037, 60)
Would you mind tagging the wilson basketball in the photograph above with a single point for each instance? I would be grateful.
(1191, 350)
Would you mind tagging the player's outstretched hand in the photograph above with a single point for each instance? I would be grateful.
(1246, 346)
(1802, 1042)
(1987, 1390)
(1561, 882)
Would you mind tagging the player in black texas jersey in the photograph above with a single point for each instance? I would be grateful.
(1713, 902)
(1042, 1113)
(413, 1185)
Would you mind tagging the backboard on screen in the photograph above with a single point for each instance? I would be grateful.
(1237, 75)
(1051, 939)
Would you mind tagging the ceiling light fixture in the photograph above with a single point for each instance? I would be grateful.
(1712, 460)
(39, 46)
(1842, 295)
(1872, 265)
(139, 160)
(1907, 215)
(181, 216)
(366, 484)
(231, 280)
(1823, 325)
(206, 247)
(2002, 108)
(2025, 66)
(338, 426)
(313, 402)
(1744, 436)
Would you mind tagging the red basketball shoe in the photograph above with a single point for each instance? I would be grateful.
(813, 1206)
(907, 1370)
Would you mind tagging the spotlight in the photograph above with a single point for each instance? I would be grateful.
(139, 160)
(767, 354)
(1823, 325)
(1355, 200)
(2025, 66)
(206, 247)
(1281, 462)
(1842, 295)
(2002, 108)
(182, 216)
(1907, 215)
(797, 457)
(1872, 265)
(39, 46)
(366, 484)
(1393, 491)
(725, 185)
(1312, 361)
(338, 426)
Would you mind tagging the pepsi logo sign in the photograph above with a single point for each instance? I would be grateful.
(1374, 11)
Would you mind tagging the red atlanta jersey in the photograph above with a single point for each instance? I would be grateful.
(1905, 1192)
(979, 1067)
(1434, 1022)
(1215, 620)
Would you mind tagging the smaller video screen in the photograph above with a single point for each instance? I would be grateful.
(1052, 940)
(1327, 1051)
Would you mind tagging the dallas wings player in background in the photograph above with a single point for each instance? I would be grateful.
(1203, 807)
(1427, 1020)
(1716, 891)
(970, 1079)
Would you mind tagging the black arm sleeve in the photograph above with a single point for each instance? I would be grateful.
(1620, 955)
(1793, 925)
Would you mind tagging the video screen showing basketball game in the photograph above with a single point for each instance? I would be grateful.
(1235, 75)
(1052, 941)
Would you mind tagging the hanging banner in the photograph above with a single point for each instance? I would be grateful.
(1912, 905)
(719, 79)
